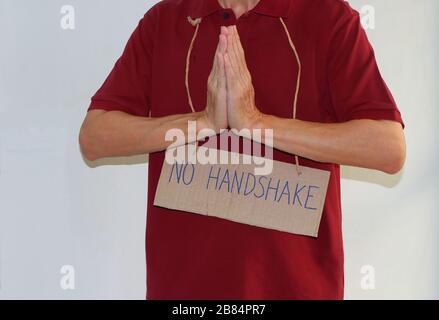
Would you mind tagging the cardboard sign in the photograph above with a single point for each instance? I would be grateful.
(283, 200)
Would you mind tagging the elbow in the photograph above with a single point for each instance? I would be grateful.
(86, 144)
(396, 158)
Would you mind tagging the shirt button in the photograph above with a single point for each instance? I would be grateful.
(226, 16)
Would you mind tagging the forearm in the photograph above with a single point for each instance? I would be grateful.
(115, 134)
(370, 144)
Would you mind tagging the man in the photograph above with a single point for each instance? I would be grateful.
(302, 68)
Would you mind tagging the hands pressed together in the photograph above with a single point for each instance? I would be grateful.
(231, 103)
(230, 93)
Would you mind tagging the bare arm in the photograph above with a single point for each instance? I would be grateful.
(115, 133)
(374, 144)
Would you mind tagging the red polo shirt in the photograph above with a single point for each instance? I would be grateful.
(190, 256)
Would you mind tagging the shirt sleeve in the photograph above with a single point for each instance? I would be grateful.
(357, 89)
(128, 86)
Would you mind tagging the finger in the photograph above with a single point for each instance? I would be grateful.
(235, 50)
(240, 69)
(221, 49)
(230, 72)
(231, 50)
(214, 72)
(241, 56)
(222, 81)
(224, 30)
(222, 46)
(240, 48)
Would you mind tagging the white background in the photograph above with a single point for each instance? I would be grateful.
(55, 210)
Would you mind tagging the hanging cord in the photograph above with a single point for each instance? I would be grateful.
(299, 73)
(196, 23)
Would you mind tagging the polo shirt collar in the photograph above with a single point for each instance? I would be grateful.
(273, 8)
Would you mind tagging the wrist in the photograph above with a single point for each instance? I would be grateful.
(207, 123)
(258, 121)
(204, 124)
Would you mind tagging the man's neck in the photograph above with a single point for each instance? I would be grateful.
(239, 7)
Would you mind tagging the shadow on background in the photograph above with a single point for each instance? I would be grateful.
(371, 176)
(118, 161)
